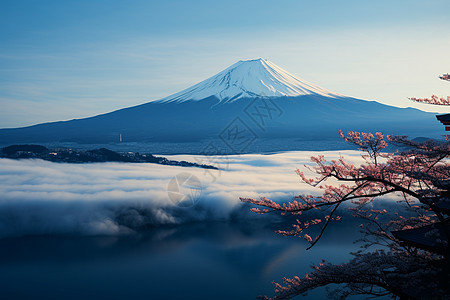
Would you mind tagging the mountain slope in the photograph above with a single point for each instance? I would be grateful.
(254, 98)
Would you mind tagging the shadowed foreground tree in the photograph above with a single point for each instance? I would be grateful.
(411, 259)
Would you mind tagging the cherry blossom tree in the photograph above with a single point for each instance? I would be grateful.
(436, 100)
(399, 267)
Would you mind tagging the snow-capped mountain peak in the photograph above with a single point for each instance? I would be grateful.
(250, 79)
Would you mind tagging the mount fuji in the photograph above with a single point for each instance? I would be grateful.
(251, 100)
(249, 79)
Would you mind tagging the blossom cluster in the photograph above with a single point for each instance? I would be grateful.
(420, 175)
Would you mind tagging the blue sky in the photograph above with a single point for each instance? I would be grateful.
(61, 60)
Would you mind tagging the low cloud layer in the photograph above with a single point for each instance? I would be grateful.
(40, 197)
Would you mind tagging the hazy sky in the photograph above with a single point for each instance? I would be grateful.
(70, 59)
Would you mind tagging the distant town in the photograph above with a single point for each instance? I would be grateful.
(69, 155)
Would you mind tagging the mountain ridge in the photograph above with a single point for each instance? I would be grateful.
(310, 114)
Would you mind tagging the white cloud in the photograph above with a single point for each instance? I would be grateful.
(40, 197)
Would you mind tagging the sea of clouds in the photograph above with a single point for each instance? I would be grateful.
(40, 197)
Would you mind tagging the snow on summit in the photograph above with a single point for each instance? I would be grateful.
(250, 79)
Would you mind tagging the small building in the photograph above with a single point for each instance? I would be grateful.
(434, 237)
(430, 237)
(444, 119)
